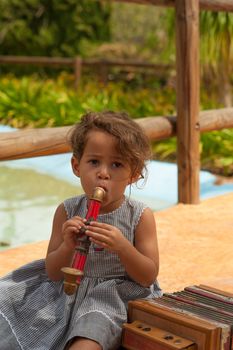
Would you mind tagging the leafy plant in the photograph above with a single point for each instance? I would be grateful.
(51, 28)
(32, 102)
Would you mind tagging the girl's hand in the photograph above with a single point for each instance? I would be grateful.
(70, 231)
(106, 236)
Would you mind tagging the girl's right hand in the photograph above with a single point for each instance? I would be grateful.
(70, 231)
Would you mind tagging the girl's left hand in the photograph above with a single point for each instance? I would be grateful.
(106, 236)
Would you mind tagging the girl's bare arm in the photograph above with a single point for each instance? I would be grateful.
(62, 243)
(142, 260)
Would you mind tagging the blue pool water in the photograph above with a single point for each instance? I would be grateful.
(52, 180)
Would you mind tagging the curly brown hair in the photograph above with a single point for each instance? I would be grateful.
(133, 144)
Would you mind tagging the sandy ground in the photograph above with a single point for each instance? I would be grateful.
(196, 244)
(195, 241)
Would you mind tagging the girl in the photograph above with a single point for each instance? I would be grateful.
(109, 151)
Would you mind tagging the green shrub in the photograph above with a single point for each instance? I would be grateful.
(32, 102)
(51, 28)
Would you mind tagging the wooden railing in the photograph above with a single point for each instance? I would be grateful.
(77, 64)
(212, 5)
(47, 141)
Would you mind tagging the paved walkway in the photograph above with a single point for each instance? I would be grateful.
(195, 241)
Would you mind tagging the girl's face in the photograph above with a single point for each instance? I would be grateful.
(101, 165)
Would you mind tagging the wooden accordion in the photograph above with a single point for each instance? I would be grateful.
(196, 318)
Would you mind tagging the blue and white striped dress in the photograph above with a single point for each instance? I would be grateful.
(35, 313)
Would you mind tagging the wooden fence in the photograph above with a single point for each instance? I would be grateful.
(47, 141)
(102, 66)
(189, 121)
(188, 88)
(212, 5)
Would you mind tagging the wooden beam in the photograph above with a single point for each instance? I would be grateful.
(162, 127)
(46, 141)
(33, 143)
(188, 82)
(77, 61)
(216, 119)
(216, 5)
(38, 60)
(162, 3)
(211, 5)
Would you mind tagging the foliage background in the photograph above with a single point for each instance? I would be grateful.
(52, 28)
(107, 30)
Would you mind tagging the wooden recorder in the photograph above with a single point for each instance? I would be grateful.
(197, 318)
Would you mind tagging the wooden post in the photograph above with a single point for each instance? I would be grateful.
(103, 71)
(188, 85)
(77, 71)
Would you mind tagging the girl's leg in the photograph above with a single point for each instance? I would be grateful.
(84, 344)
(7, 338)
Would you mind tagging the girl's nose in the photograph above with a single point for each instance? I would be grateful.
(103, 173)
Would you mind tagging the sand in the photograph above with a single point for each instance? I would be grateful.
(195, 242)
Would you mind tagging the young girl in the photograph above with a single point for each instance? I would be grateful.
(109, 151)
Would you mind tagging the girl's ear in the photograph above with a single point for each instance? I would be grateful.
(134, 179)
(75, 165)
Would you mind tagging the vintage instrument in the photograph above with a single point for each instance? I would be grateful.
(199, 314)
(73, 274)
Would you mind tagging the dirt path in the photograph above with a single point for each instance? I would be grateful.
(195, 241)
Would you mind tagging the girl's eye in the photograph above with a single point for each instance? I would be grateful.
(93, 161)
(117, 165)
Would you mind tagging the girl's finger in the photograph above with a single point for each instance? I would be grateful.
(100, 225)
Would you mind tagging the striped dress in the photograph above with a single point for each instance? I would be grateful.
(36, 314)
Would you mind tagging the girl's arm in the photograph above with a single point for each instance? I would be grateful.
(140, 261)
(62, 243)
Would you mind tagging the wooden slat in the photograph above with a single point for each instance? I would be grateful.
(77, 61)
(188, 81)
(216, 119)
(211, 5)
(33, 143)
(37, 142)
(37, 60)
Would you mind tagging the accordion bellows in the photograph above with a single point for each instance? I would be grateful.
(198, 317)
